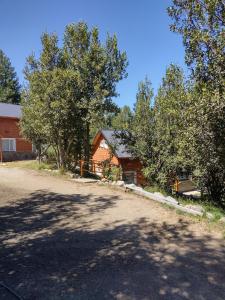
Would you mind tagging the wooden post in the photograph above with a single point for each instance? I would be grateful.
(81, 168)
(1, 155)
(177, 185)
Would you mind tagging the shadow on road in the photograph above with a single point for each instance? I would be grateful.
(50, 249)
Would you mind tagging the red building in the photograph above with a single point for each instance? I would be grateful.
(12, 145)
(107, 146)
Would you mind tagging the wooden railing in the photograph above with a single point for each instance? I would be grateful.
(93, 166)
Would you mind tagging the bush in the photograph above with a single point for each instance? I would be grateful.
(111, 172)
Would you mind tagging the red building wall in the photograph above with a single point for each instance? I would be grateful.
(9, 128)
(133, 165)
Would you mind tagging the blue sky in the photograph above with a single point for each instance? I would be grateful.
(142, 28)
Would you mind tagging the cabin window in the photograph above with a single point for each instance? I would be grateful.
(8, 144)
(103, 144)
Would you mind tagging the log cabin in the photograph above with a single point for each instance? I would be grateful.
(12, 145)
(108, 146)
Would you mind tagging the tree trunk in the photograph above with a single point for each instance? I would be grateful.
(61, 157)
(87, 146)
(38, 147)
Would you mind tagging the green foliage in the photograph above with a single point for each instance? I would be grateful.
(111, 172)
(142, 125)
(70, 89)
(184, 132)
(9, 85)
(207, 141)
(154, 188)
(169, 110)
(123, 120)
(139, 137)
(202, 26)
(115, 173)
(30, 164)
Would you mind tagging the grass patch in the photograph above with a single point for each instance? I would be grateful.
(156, 189)
(165, 205)
(30, 164)
(217, 212)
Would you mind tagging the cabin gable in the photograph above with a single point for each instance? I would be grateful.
(102, 151)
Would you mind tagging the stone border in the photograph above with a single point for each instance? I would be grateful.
(195, 210)
(163, 199)
(153, 196)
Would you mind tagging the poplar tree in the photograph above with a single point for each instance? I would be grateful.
(169, 125)
(70, 88)
(139, 136)
(100, 66)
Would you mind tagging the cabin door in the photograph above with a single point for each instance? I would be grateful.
(130, 177)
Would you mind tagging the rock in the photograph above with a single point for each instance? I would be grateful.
(131, 185)
(154, 196)
(209, 215)
(104, 180)
(55, 171)
(188, 210)
(158, 194)
(222, 220)
(84, 180)
(197, 208)
(171, 200)
(76, 176)
(138, 188)
(120, 183)
(72, 175)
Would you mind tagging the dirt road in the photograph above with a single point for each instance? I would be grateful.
(62, 240)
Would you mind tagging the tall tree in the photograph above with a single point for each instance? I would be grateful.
(169, 110)
(72, 87)
(139, 136)
(142, 125)
(9, 84)
(202, 26)
(100, 66)
(205, 140)
(50, 104)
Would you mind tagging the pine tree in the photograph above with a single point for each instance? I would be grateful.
(123, 119)
(9, 85)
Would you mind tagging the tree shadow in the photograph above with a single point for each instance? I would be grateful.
(50, 249)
